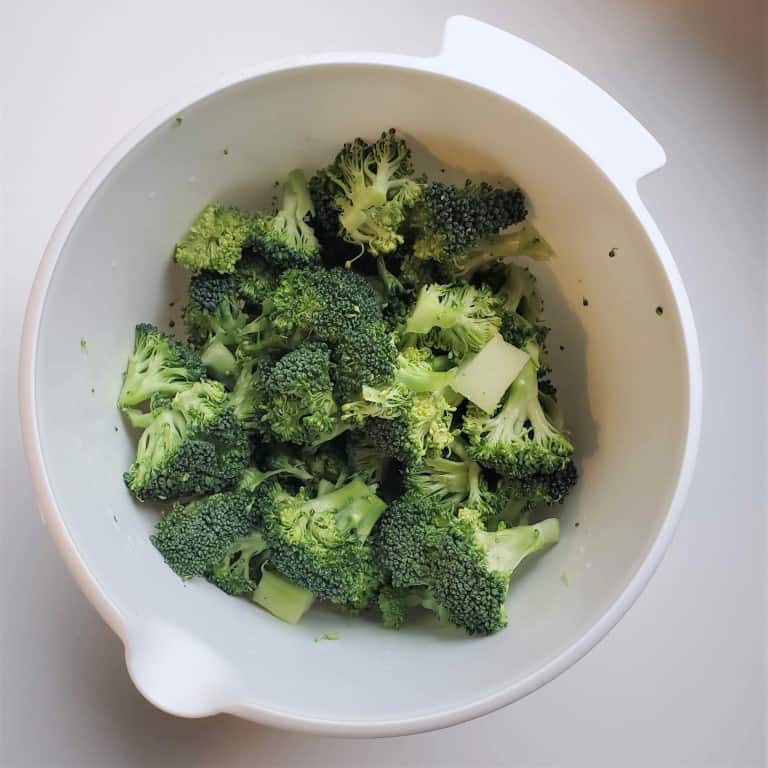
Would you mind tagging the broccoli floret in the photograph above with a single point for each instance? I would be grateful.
(195, 537)
(239, 570)
(216, 239)
(522, 241)
(423, 419)
(366, 190)
(464, 317)
(328, 462)
(454, 481)
(395, 605)
(365, 357)
(194, 447)
(299, 404)
(405, 535)
(471, 568)
(158, 365)
(448, 221)
(519, 440)
(320, 542)
(541, 488)
(523, 334)
(323, 304)
(285, 239)
(217, 323)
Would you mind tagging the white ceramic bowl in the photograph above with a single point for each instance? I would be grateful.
(629, 379)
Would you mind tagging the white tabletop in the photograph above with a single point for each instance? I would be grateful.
(681, 680)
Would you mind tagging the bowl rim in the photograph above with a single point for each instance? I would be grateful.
(89, 584)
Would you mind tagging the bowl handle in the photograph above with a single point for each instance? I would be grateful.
(548, 87)
(177, 672)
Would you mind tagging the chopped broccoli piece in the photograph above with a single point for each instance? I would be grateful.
(366, 190)
(449, 221)
(194, 538)
(404, 536)
(281, 597)
(470, 561)
(519, 440)
(285, 239)
(522, 241)
(424, 419)
(299, 405)
(194, 447)
(465, 317)
(235, 572)
(159, 364)
(216, 239)
(320, 542)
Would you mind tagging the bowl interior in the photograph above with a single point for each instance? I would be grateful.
(620, 369)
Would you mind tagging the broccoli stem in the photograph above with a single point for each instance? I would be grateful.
(508, 547)
(219, 361)
(282, 598)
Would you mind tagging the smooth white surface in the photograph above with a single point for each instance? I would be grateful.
(680, 681)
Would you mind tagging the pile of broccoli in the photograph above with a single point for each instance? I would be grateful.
(360, 412)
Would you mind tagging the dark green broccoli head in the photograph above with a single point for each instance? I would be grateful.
(299, 405)
(158, 365)
(216, 239)
(363, 357)
(366, 192)
(469, 561)
(320, 542)
(519, 440)
(239, 570)
(195, 537)
(214, 309)
(323, 304)
(464, 317)
(285, 239)
(195, 447)
(404, 536)
(448, 221)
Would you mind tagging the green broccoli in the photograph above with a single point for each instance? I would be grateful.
(195, 538)
(471, 568)
(194, 447)
(404, 537)
(454, 481)
(319, 542)
(449, 221)
(515, 290)
(423, 419)
(366, 192)
(299, 405)
(285, 239)
(519, 440)
(522, 241)
(249, 396)
(416, 370)
(464, 317)
(216, 239)
(365, 459)
(158, 365)
(255, 283)
(239, 569)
